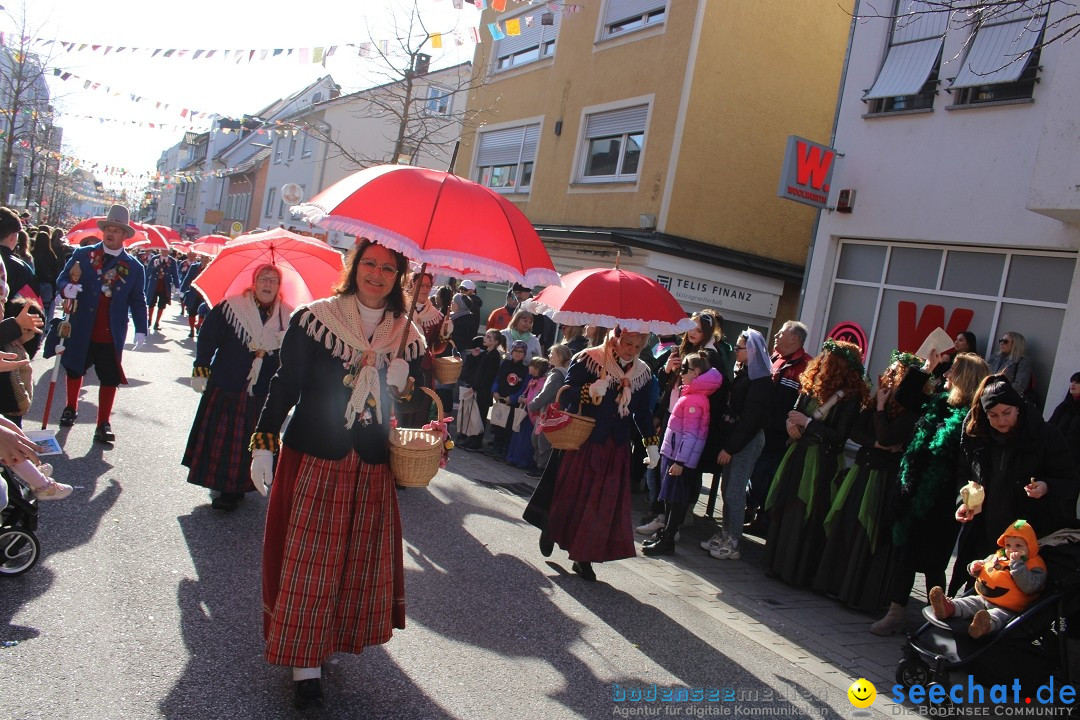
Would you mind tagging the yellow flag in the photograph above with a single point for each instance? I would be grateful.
(436, 40)
(513, 26)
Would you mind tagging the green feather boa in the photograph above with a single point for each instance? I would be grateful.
(928, 463)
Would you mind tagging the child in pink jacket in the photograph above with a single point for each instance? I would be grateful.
(684, 439)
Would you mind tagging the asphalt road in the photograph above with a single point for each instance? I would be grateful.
(146, 601)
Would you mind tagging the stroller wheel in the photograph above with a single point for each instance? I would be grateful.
(19, 551)
(912, 672)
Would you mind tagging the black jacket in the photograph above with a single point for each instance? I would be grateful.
(1067, 419)
(220, 349)
(747, 410)
(310, 381)
(19, 273)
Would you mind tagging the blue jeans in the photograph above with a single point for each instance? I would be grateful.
(736, 476)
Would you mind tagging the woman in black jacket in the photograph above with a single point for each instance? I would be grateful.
(46, 267)
(1023, 465)
(1067, 418)
(742, 437)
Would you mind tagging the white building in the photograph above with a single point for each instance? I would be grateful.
(965, 163)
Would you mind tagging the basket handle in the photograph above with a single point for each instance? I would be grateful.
(439, 414)
(555, 402)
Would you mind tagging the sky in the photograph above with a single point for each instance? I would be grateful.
(96, 123)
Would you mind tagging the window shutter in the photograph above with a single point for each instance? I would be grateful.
(914, 50)
(995, 52)
(617, 122)
(618, 10)
(528, 147)
(500, 147)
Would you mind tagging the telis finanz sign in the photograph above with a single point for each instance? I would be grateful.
(807, 172)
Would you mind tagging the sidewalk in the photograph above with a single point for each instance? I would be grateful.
(817, 635)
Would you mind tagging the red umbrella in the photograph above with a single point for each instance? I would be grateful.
(155, 242)
(611, 297)
(436, 218)
(171, 235)
(210, 244)
(309, 269)
(272, 234)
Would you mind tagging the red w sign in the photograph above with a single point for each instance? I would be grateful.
(911, 331)
(807, 172)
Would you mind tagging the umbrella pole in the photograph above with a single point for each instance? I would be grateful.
(412, 311)
(52, 386)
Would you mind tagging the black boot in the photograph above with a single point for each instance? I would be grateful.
(665, 543)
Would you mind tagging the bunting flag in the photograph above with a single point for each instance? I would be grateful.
(513, 26)
(436, 40)
(496, 33)
(498, 5)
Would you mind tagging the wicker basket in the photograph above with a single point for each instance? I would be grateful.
(573, 434)
(414, 453)
(447, 369)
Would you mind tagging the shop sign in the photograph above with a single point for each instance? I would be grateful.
(721, 296)
(807, 172)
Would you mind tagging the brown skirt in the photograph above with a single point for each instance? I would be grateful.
(333, 575)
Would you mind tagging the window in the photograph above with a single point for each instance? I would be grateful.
(536, 41)
(270, 198)
(623, 16)
(1002, 62)
(277, 150)
(292, 145)
(305, 146)
(504, 158)
(613, 144)
(317, 97)
(438, 102)
(909, 75)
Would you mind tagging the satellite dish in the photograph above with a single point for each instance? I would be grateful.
(292, 193)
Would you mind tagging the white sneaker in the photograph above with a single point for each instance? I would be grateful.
(715, 541)
(651, 527)
(725, 552)
(53, 491)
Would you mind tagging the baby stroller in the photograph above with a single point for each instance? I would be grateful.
(19, 547)
(1033, 647)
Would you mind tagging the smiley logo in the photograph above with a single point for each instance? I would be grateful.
(862, 693)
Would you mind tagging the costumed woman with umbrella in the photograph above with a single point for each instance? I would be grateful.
(235, 357)
(414, 412)
(333, 575)
(589, 515)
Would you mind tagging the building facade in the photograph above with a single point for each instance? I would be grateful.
(656, 129)
(959, 162)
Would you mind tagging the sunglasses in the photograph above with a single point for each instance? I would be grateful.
(1004, 341)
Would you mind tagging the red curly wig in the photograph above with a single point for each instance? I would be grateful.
(830, 372)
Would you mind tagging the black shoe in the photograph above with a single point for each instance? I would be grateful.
(104, 433)
(546, 545)
(67, 418)
(157, 328)
(663, 545)
(226, 502)
(585, 570)
(308, 694)
(534, 474)
(191, 333)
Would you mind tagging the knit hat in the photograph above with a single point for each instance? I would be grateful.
(520, 345)
(999, 391)
(478, 342)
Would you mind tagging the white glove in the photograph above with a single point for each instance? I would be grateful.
(140, 338)
(262, 470)
(198, 384)
(397, 373)
(654, 456)
(71, 290)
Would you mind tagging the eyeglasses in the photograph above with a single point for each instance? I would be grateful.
(370, 266)
(1004, 341)
(269, 279)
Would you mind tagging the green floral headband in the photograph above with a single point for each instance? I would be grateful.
(906, 359)
(853, 359)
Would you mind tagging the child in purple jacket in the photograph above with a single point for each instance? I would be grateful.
(687, 429)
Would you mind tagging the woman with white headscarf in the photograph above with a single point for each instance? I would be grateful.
(236, 355)
(743, 436)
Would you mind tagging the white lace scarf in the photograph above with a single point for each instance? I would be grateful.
(601, 361)
(336, 323)
(262, 338)
(427, 316)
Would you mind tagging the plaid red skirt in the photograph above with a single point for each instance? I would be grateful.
(217, 452)
(333, 572)
(590, 507)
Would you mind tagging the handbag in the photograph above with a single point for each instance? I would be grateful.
(471, 421)
(499, 414)
(517, 414)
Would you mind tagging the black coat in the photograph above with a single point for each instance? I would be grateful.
(747, 411)
(220, 349)
(1067, 419)
(310, 381)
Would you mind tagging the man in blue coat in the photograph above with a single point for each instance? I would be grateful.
(161, 278)
(105, 284)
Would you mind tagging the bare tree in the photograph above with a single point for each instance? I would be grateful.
(971, 15)
(24, 98)
(417, 103)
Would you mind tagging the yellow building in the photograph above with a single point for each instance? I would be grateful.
(657, 128)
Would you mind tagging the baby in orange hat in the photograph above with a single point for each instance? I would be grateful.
(1006, 583)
